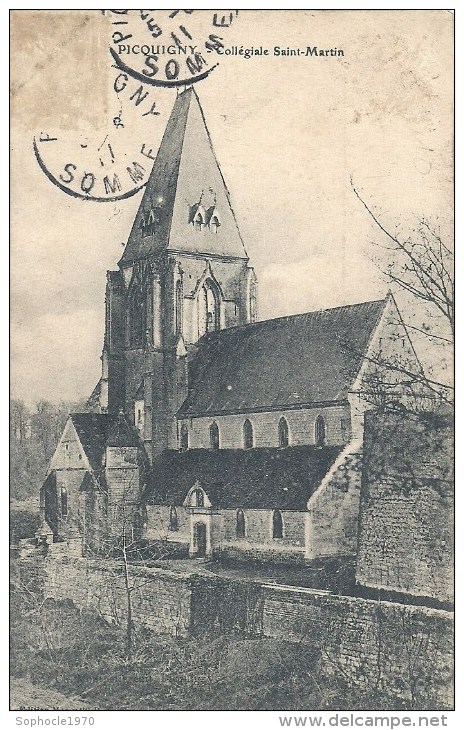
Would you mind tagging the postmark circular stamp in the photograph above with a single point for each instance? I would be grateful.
(115, 162)
(168, 47)
(149, 50)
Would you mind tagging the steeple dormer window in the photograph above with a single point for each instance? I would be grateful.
(149, 221)
(212, 219)
(198, 216)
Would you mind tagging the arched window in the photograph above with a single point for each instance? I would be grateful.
(277, 524)
(319, 431)
(247, 434)
(178, 307)
(240, 526)
(208, 309)
(283, 433)
(64, 502)
(214, 224)
(199, 222)
(198, 498)
(173, 521)
(214, 435)
(137, 318)
(184, 437)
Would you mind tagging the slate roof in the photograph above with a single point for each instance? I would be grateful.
(185, 171)
(303, 359)
(93, 401)
(96, 431)
(265, 478)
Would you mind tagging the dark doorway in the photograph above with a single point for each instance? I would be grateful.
(200, 539)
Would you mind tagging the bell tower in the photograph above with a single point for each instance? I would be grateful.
(184, 273)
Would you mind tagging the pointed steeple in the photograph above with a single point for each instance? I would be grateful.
(186, 205)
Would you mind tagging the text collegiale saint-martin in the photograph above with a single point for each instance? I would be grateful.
(173, 50)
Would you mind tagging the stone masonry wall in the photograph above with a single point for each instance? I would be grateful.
(406, 534)
(161, 600)
(258, 543)
(403, 650)
(333, 510)
(266, 427)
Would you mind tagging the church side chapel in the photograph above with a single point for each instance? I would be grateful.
(211, 431)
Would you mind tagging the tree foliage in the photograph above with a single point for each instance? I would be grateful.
(34, 434)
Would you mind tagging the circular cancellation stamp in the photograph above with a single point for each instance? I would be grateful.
(168, 47)
(148, 50)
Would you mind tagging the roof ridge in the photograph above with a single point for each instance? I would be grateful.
(188, 102)
(294, 316)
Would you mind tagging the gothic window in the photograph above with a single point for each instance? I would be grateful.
(208, 309)
(283, 433)
(319, 431)
(198, 498)
(214, 435)
(184, 437)
(247, 434)
(64, 502)
(137, 317)
(199, 222)
(240, 525)
(214, 224)
(173, 521)
(277, 524)
(178, 307)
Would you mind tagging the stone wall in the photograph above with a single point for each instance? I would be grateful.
(158, 523)
(161, 600)
(266, 427)
(333, 510)
(406, 533)
(258, 543)
(401, 650)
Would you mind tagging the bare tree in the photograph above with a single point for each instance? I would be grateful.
(420, 265)
(120, 539)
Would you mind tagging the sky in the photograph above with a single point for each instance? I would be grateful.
(289, 133)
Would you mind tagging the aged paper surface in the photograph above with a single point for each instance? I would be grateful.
(333, 132)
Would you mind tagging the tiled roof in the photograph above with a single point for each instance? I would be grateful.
(254, 479)
(303, 359)
(96, 431)
(185, 171)
(93, 401)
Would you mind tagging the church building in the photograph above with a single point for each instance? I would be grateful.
(211, 432)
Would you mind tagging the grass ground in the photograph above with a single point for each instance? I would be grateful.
(70, 659)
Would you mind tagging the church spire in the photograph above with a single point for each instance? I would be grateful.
(186, 205)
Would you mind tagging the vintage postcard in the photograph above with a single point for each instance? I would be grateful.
(232, 290)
